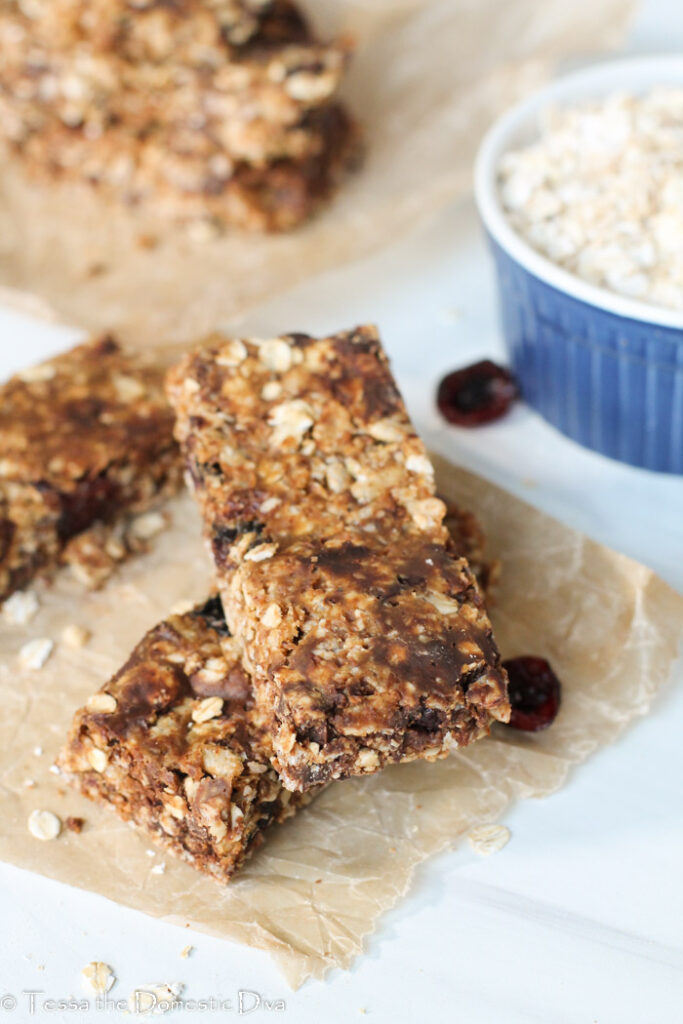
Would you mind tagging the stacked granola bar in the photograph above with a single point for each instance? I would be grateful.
(176, 743)
(348, 631)
(365, 636)
(218, 109)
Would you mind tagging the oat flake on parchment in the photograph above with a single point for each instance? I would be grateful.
(44, 825)
(20, 607)
(75, 637)
(35, 653)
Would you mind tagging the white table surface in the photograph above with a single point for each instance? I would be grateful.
(579, 919)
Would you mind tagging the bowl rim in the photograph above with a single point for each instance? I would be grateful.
(634, 74)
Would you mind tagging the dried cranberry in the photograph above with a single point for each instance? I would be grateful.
(477, 394)
(534, 692)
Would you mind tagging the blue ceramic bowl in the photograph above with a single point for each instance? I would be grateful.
(605, 370)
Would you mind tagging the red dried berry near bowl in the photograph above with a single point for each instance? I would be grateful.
(534, 692)
(476, 394)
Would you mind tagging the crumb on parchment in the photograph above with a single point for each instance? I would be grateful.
(75, 636)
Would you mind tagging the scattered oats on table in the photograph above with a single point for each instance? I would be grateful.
(97, 977)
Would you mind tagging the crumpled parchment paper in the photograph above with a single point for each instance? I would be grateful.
(428, 78)
(321, 882)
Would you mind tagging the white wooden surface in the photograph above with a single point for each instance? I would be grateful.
(579, 919)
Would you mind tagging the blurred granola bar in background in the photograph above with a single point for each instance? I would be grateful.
(222, 110)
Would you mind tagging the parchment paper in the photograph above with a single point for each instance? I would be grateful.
(321, 882)
(428, 78)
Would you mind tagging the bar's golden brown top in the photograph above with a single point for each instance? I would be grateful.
(358, 622)
(312, 436)
(73, 416)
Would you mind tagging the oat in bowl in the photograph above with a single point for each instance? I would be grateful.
(579, 191)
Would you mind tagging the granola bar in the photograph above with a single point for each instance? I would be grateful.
(254, 105)
(194, 181)
(84, 437)
(195, 109)
(175, 744)
(364, 633)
